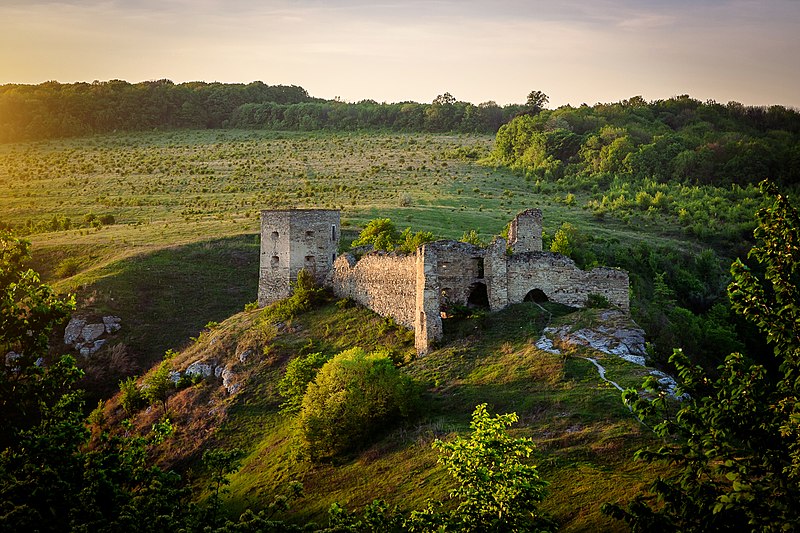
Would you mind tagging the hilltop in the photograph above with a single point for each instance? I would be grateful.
(585, 436)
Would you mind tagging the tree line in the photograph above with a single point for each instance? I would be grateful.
(679, 139)
(54, 110)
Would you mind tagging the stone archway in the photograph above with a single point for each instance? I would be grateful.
(536, 295)
(478, 295)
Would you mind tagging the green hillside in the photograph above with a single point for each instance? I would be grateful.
(584, 435)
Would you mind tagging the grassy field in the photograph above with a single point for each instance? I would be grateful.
(183, 251)
(183, 246)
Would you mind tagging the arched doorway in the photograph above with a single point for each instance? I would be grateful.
(478, 296)
(536, 295)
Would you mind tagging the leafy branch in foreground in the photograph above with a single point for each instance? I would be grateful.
(735, 441)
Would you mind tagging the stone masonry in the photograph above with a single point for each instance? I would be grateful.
(292, 240)
(417, 290)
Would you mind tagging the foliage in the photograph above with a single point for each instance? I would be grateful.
(299, 373)
(497, 490)
(28, 312)
(52, 109)
(221, 464)
(472, 237)
(131, 397)
(305, 295)
(354, 396)
(597, 301)
(158, 385)
(736, 447)
(382, 234)
(564, 240)
(50, 479)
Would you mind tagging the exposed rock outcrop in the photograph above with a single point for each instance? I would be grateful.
(614, 333)
(88, 337)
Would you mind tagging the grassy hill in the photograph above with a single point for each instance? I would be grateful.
(183, 247)
(182, 251)
(585, 436)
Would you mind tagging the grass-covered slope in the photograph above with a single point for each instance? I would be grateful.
(585, 436)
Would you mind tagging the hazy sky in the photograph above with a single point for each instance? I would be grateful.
(388, 50)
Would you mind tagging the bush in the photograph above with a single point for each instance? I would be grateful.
(68, 267)
(354, 396)
(597, 301)
(131, 396)
(299, 373)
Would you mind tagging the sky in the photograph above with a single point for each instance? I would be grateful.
(390, 50)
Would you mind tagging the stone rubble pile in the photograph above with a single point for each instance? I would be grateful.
(87, 337)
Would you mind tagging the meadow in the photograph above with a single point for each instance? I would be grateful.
(180, 247)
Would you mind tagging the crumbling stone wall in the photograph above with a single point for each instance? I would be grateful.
(415, 289)
(385, 283)
(525, 231)
(459, 266)
(562, 281)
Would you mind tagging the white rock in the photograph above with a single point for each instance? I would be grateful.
(112, 323)
(91, 332)
(88, 348)
(218, 371)
(73, 330)
(199, 368)
(39, 362)
(228, 377)
(546, 344)
(245, 355)
(174, 376)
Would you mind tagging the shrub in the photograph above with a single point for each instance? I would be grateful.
(68, 267)
(354, 396)
(299, 373)
(597, 301)
(131, 396)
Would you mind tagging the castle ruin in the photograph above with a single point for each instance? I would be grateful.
(417, 289)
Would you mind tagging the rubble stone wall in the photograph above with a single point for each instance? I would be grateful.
(385, 283)
(562, 281)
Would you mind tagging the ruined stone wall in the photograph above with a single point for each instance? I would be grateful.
(385, 283)
(562, 281)
(458, 267)
(525, 232)
(290, 241)
(273, 278)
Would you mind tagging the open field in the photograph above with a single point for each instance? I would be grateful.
(168, 192)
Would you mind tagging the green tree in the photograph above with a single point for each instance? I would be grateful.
(536, 101)
(158, 385)
(220, 464)
(472, 237)
(564, 240)
(50, 479)
(497, 489)
(381, 233)
(299, 373)
(353, 396)
(735, 440)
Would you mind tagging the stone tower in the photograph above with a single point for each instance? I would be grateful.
(525, 232)
(290, 241)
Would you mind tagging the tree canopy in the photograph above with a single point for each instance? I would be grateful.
(735, 440)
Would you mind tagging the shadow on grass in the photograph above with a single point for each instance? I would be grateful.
(168, 296)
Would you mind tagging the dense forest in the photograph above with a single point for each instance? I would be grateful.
(54, 110)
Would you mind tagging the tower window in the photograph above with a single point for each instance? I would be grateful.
(275, 261)
(333, 232)
(274, 235)
(309, 234)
